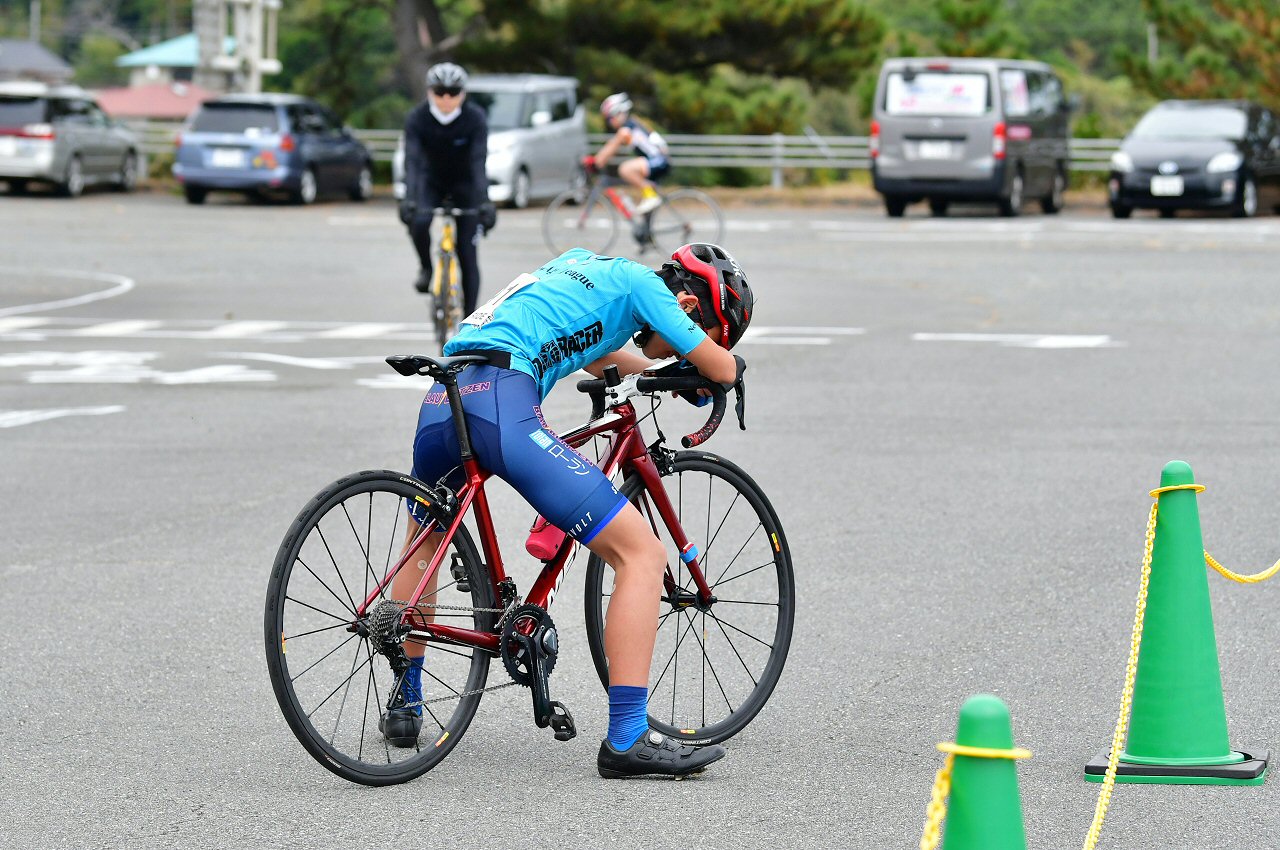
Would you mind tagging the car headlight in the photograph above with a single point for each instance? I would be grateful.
(498, 160)
(1225, 161)
(1122, 162)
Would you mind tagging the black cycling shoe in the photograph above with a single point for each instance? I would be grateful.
(423, 283)
(655, 755)
(400, 726)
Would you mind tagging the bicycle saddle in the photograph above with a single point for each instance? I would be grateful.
(443, 369)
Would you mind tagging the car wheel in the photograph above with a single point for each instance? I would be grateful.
(362, 190)
(1246, 205)
(1121, 211)
(938, 207)
(1011, 204)
(1052, 203)
(894, 206)
(520, 190)
(17, 187)
(306, 192)
(195, 194)
(1168, 212)
(127, 180)
(72, 185)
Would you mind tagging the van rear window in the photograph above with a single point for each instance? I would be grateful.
(21, 111)
(936, 93)
(248, 119)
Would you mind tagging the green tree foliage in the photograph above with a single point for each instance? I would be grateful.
(95, 62)
(978, 28)
(1212, 48)
(341, 53)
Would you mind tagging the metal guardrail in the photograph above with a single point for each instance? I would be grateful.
(776, 152)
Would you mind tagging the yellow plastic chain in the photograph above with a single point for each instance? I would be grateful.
(937, 810)
(1131, 669)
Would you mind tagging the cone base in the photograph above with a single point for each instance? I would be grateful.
(1251, 771)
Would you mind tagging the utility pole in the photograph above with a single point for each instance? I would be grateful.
(1153, 44)
(33, 22)
(253, 28)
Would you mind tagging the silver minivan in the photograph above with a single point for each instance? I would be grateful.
(59, 135)
(958, 129)
(537, 136)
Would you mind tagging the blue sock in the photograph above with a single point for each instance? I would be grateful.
(628, 715)
(412, 687)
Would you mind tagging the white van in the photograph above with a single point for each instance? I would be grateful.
(958, 129)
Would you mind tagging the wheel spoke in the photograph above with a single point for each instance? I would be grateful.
(714, 675)
(335, 690)
(343, 620)
(341, 625)
(322, 658)
(679, 640)
(355, 657)
(723, 582)
(723, 622)
(729, 640)
(336, 568)
(350, 610)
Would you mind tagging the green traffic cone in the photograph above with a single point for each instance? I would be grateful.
(985, 810)
(1178, 725)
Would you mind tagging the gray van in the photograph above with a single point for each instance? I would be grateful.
(955, 129)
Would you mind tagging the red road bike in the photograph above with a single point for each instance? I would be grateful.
(335, 637)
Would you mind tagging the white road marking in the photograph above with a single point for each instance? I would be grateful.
(1022, 340)
(321, 363)
(246, 329)
(366, 330)
(395, 382)
(222, 374)
(825, 331)
(14, 418)
(116, 329)
(121, 285)
(10, 325)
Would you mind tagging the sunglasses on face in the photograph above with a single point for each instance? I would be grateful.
(446, 91)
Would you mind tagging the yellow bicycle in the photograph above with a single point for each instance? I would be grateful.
(446, 278)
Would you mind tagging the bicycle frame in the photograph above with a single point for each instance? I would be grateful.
(626, 451)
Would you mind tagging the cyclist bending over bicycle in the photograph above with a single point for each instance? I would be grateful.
(576, 312)
(445, 146)
(650, 164)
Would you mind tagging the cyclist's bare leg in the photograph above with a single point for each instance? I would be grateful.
(406, 581)
(635, 172)
(639, 562)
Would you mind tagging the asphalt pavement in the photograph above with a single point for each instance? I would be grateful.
(957, 420)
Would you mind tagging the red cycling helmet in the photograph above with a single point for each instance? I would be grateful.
(715, 278)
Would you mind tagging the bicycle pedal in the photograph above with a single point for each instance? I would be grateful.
(562, 722)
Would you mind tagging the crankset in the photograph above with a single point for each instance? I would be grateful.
(529, 646)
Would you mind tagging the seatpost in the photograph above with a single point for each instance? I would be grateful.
(459, 419)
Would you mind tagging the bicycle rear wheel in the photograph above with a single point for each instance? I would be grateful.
(686, 215)
(715, 666)
(332, 683)
(592, 225)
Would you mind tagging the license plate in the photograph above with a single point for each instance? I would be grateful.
(935, 150)
(226, 158)
(8, 146)
(1167, 187)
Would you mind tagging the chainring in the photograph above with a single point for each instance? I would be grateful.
(531, 620)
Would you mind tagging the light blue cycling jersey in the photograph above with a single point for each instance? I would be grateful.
(573, 311)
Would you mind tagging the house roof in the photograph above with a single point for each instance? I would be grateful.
(19, 59)
(180, 52)
(162, 101)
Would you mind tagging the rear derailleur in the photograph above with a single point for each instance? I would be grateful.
(529, 647)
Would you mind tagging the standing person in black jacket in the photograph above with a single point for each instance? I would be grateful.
(445, 145)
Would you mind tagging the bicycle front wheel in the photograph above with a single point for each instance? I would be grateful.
(592, 225)
(714, 666)
(330, 679)
(686, 215)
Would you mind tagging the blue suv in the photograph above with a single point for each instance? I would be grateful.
(270, 143)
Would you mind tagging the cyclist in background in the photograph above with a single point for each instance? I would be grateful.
(651, 162)
(576, 312)
(445, 147)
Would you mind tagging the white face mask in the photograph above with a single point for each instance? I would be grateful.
(444, 117)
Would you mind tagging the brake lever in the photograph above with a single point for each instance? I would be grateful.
(740, 406)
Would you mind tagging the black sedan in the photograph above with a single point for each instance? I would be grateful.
(1198, 154)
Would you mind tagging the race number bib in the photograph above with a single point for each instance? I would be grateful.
(483, 314)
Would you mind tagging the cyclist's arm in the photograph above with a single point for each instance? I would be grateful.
(713, 362)
(610, 147)
(479, 154)
(415, 162)
(627, 363)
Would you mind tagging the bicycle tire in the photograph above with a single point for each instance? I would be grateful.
(686, 215)
(299, 622)
(592, 224)
(765, 669)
